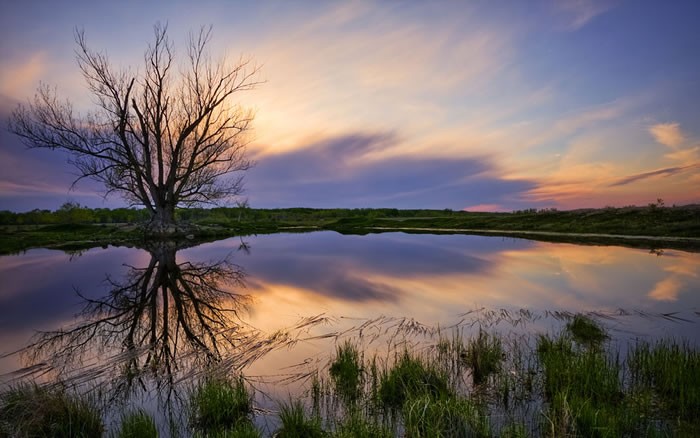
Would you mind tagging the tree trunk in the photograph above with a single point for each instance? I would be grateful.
(163, 222)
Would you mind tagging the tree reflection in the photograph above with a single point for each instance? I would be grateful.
(158, 323)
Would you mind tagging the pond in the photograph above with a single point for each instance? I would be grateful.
(136, 322)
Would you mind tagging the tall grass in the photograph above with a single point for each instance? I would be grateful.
(672, 372)
(220, 404)
(30, 410)
(296, 422)
(347, 372)
(137, 424)
(484, 356)
(566, 384)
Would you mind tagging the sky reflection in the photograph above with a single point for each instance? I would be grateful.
(432, 278)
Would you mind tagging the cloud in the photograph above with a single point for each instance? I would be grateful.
(350, 171)
(20, 78)
(666, 172)
(577, 13)
(360, 267)
(668, 134)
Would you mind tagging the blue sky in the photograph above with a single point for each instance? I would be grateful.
(462, 105)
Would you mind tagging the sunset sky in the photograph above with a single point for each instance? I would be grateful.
(479, 105)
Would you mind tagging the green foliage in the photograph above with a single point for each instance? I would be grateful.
(672, 371)
(34, 411)
(137, 424)
(484, 356)
(219, 404)
(426, 416)
(241, 430)
(513, 430)
(586, 331)
(356, 426)
(347, 373)
(295, 422)
(411, 377)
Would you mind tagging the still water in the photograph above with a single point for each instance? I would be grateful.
(271, 305)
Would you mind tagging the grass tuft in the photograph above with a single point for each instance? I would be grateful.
(347, 372)
(295, 422)
(484, 356)
(220, 404)
(586, 331)
(425, 416)
(137, 424)
(31, 410)
(411, 377)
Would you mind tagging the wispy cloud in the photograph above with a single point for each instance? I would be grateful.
(20, 78)
(345, 171)
(665, 172)
(577, 13)
(668, 134)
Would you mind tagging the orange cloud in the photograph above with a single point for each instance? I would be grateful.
(20, 79)
(668, 134)
(666, 289)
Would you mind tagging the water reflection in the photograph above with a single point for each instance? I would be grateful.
(155, 320)
(171, 310)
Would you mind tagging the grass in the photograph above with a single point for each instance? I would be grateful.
(456, 417)
(31, 410)
(219, 405)
(672, 373)
(137, 424)
(483, 356)
(21, 231)
(566, 384)
(412, 377)
(347, 372)
(586, 331)
(297, 423)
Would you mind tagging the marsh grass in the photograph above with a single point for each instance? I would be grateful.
(425, 416)
(564, 384)
(35, 411)
(220, 404)
(671, 371)
(410, 377)
(483, 356)
(137, 424)
(347, 372)
(586, 331)
(296, 422)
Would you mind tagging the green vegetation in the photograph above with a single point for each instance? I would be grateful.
(568, 384)
(586, 331)
(35, 411)
(297, 423)
(219, 405)
(77, 225)
(483, 356)
(412, 377)
(137, 424)
(346, 372)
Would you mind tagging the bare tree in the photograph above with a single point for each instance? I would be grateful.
(168, 136)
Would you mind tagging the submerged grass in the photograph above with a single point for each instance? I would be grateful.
(586, 331)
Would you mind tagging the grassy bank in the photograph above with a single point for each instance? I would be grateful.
(664, 227)
(575, 383)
